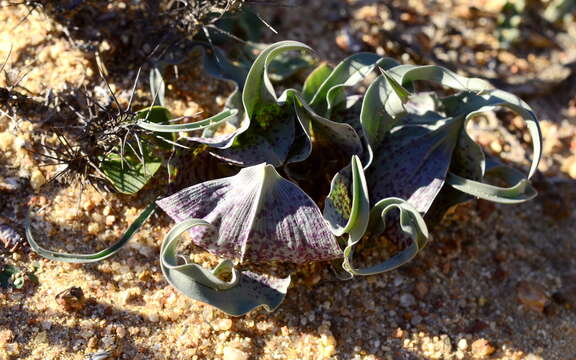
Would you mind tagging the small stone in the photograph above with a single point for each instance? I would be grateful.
(231, 353)
(462, 344)
(572, 171)
(399, 333)
(46, 325)
(108, 341)
(407, 300)
(153, 317)
(94, 228)
(481, 348)
(121, 332)
(533, 357)
(416, 320)
(398, 280)
(37, 179)
(347, 41)
(99, 355)
(421, 289)
(92, 343)
(223, 325)
(9, 238)
(110, 220)
(131, 295)
(6, 336)
(444, 345)
(10, 184)
(6, 141)
(533, 295)
(72, 299)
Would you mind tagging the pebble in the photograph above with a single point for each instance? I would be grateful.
(223, 325)
(407, 300)
(533, 357)
(100, 355)
(6, 336)
(231, 353)
(71, 299)
(416, 320)
(482, 348)
(37, 179)
(421, 289)
(462, 344)
(121, 332)
(533, 295)
(347, 41)
(9, 238)
(10, 184)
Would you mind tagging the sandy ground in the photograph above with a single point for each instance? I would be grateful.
(496, 282)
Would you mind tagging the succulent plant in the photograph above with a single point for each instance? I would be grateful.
(394, 160)
(419, 138)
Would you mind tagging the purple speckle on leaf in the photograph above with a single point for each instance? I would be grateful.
(260, 217)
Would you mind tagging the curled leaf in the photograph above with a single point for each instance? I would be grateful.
(89, 258)
(347, 211)
(347, 73)
(267, 129)
(411, 223)
(423, 141)
(244, 292)
(323, 131)
(518, 188)
(407, 74)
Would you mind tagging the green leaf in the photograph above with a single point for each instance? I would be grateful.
(265, 129)
(375, 118)
(258, 88)
(315, 80)
(492, 100)
(157, 86)
(244, 292)
(418, 142)
(517, 193)
(411, 223)
(212, 121)
(400, 91)
(131, 175)
(418, 153)
(407, 74)
(268, 140)
(217, 65)
(89, 258)
(286, 66)
(154, 114)
(161, 116)
(342, 136)
(347, 73)
(347, 206)
(518, 188)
